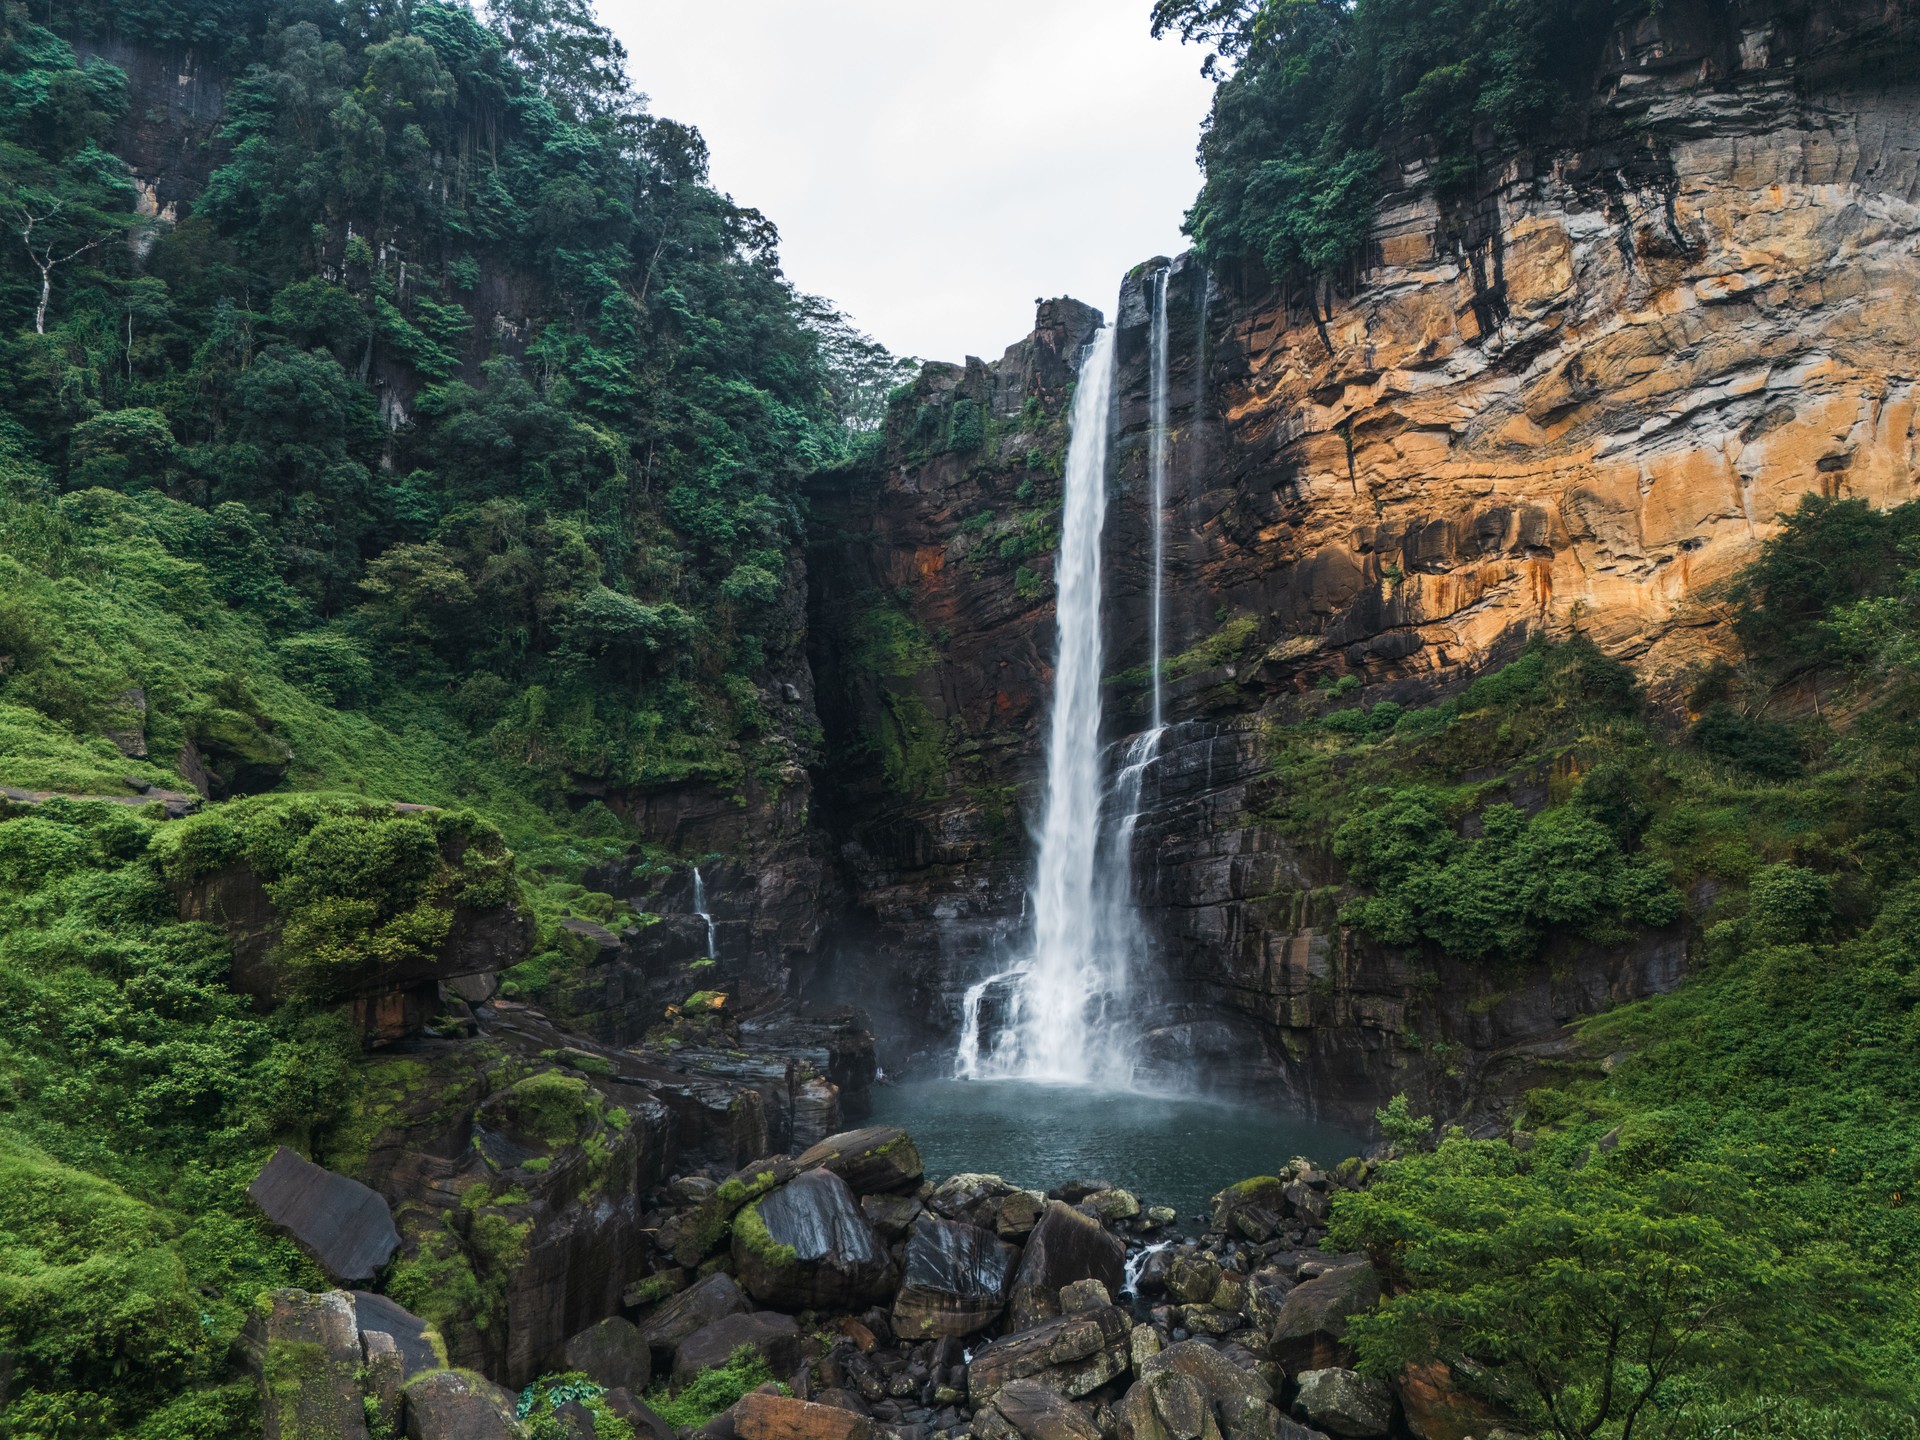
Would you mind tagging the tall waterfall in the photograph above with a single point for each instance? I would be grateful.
(1061, 1013)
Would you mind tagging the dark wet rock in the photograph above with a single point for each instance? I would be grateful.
(714, 1298)
(695, 1233)
(458, 1405)
(1343, 1403)
(779, 1417)
(1254, 1209)
(346, 1227)
(972, 1197)
(306, 1351)
(1073, 1355)
(1064, 1247)
(891, 1216)
(807, 1246)
(611, 1354)
(415, 1344)
(956, 1279)
(776, 1337)
(1310, 1330)
(1032, 1410)
(872, 1161)
(1191, 1389)
(1018, 1213)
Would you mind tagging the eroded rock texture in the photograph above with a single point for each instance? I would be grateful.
(1578, 399)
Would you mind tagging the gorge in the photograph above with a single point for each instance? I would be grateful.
(560, 810)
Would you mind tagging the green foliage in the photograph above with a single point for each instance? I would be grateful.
(1315, 95)
(358, 886)
(712, 1391)
(1503, 892)
(1400, 1125)
(1597, 1296)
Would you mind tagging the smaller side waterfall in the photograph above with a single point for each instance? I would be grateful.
(700, 909)
(1159, 461)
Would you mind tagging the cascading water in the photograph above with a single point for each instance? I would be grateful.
(700, 909)
(1160, 454)
(1065, 1004)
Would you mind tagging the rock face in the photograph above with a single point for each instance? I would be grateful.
(1579, 398)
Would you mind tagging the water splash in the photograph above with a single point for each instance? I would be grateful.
(700, 909)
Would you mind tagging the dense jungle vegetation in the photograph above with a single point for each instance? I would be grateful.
(445, 449)
(1707, 1226)
(1317, 98)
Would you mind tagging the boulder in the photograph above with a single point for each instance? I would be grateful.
(1310, 1330)
(970, 1197)
(776, 1337)
(1436, 1408)
(1252, 1210)
(779, 1417)
(457, 1405)
(612, 1354)
(891, 1216)
(1065, 1246)
(346, 1227)
(1082, 1296)
(1192, 1279)
(1111, 1206)
(806, 1246)
(1028, 1409)
(714, 1298)
(1019, 1212)
(695, 1233)
(1072, 1356)
(1343, 1403)
(306, 1351)
(874, 1161)
(956, 1280)
(416, 1344)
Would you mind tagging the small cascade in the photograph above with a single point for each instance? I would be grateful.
(700, 909)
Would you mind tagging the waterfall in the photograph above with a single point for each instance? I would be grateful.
(1063, 1010)
(700, 909)
(1061, 998)
(1160, 452)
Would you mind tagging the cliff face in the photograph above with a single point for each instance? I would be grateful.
(1577, 400)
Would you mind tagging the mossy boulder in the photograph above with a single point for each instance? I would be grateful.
(806, 1246)
(872, 1161)
(305, 1349)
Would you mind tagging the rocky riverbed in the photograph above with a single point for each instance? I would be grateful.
(846, 1295)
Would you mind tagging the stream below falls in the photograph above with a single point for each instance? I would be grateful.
(1177, 1151)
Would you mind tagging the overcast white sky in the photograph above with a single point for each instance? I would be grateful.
(935, 166)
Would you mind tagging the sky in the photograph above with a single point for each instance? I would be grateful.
(936, 167)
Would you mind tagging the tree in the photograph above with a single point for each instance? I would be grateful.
(1599, 1302)
(569, 53)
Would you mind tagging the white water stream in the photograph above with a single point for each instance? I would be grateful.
(1061, 1014)
(700, 909)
